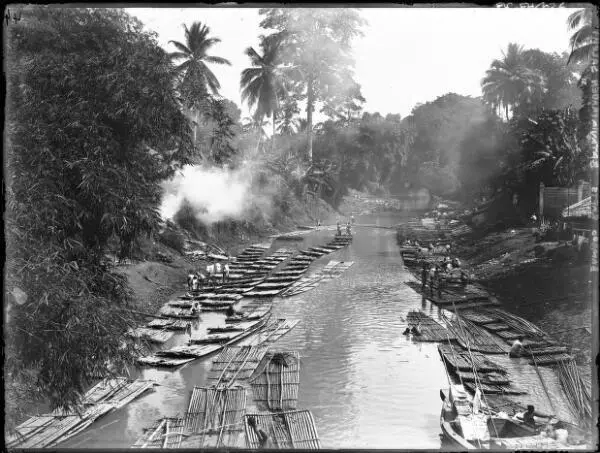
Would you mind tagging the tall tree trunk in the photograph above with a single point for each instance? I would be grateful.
(593, 137)
(258, 142)
(309, 109)
(273, 136)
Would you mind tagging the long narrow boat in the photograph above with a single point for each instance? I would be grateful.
(469, 429)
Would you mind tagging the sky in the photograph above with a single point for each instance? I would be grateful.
(406, 56)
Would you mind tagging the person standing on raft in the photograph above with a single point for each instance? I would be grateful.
(424, 277)
(516, 349)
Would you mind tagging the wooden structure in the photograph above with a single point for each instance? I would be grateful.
(331, 270)
(216, 414)
(235, 364)
(292, 429)
(276, 380)
(164, 433)
(51, 429)
(429, 329)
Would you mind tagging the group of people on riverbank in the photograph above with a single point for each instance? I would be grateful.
(438, 274)
(349, 224)
(198, 279)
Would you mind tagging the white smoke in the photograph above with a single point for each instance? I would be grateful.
(214, 194)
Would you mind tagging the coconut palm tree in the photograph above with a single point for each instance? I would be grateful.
(509, 82)
(584, 48)
(584, 22)
(194, 77)
(262, 84)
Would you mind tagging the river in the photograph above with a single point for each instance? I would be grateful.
(367, 385)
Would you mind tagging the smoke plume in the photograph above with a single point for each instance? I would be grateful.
(214, 194)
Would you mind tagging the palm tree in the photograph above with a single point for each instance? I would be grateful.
(584, 48)
(509, 82)
(584, 22)
(194, 76)
(262, 84)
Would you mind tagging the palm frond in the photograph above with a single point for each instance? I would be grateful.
(217, 60)
(182, 47)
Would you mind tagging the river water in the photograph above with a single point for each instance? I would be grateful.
(366, 384)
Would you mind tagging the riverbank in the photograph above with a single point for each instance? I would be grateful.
(542, 281)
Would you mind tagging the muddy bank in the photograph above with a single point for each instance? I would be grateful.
(544, 282)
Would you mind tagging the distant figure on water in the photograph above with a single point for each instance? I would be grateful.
(339, 228)
(263, 437)
(432, 277)
(226, 272)
(190, 281)
(528, 416)
(415, 331)
(348, 229)
(231, 312)
(195, 283)
(352, 219)
(516, 350)
(424, 271)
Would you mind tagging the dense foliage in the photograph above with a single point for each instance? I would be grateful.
(94, 126)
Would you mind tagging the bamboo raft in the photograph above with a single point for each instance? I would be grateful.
(469, 334)
(331, 270)
(164, 433)
(247, 328)
(292, 429)
(492, 378)
(430, 330)
(459, 359)
(179, 355)
(276, 380)
(263, 293)
(52, 429)
(168, 324)
(551, 359)
(494, 389)
(152, 335)
(252, 314)
(235, 363)
(271, 332)
(451, 298)
(181, 313)
(117, 392)
(164, 362)
(216, 414)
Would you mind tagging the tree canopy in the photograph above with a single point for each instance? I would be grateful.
(93, 126)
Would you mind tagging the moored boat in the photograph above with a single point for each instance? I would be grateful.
(467, 425)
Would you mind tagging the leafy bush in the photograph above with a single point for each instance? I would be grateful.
(173, 239)
(93, 127)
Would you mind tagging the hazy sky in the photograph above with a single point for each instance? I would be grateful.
(406, 56)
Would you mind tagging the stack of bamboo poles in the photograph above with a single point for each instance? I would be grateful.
(517, 324)
(476, 337)
(577, 392)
